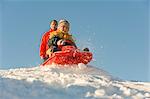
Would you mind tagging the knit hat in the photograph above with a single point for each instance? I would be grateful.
(64, 21)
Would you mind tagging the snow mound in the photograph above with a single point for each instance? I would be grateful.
(68, 82)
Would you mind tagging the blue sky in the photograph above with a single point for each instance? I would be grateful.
(115, 31)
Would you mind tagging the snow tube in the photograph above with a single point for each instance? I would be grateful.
(69, 55)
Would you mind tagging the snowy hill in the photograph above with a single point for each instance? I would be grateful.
(69, 82)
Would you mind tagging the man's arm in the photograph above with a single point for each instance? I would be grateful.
(42, 47)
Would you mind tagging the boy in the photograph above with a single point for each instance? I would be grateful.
(61, 37)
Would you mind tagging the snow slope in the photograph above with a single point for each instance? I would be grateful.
(69, 82)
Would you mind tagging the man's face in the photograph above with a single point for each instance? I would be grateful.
(63, 27)
(53, 25)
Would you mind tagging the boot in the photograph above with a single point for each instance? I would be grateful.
(86, 49)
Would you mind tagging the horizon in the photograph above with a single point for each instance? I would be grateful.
(117, 33)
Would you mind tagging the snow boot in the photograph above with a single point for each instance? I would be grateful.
(86, 49)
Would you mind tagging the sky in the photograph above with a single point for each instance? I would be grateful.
(116, 32)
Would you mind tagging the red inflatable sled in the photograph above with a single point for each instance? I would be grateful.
(69, 55)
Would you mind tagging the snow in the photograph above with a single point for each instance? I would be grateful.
(68, 82)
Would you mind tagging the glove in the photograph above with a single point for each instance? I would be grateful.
(61, 42)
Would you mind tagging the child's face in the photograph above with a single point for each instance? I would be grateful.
(53, 25)
(63, 27)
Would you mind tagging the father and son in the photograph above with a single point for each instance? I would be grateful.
(57, 36)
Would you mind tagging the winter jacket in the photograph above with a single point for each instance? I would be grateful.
(61, 35)
(56, 36)
(44, 44)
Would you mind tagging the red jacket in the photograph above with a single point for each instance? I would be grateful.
(44, 44)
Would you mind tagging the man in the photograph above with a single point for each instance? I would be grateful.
(44, 42)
